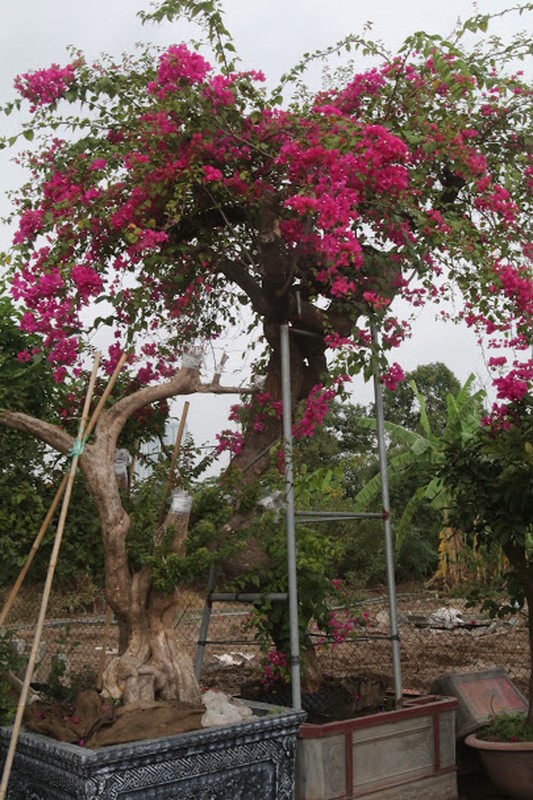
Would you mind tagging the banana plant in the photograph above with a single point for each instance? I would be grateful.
(424, 450)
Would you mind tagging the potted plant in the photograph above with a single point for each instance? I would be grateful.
(490, 476)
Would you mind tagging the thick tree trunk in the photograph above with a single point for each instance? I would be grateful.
(154, 665)
(151, 664)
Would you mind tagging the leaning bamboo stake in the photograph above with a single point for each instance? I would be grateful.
(174, 458)
(107, 391)
(76, 452)
(44, 527)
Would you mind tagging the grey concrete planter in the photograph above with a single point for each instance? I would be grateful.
(252, 759)
(408, 754)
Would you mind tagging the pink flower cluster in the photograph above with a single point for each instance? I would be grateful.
(376, 300)
(333, 183)
(178, 66)
(88, 282)
(516, 284)
(392, 377)
(275, 670)
(230, 441)
(515, 385)
(317, 406)
(366, 84)
(212, 174)
(497, 200)
(45, 86)
(341, 624)
(256, 413)
(344, 627)
(30, 224)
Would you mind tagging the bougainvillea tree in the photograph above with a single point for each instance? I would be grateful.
(165, 194)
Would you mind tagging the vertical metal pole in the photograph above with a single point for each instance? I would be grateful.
(389, 547)
(289, 517)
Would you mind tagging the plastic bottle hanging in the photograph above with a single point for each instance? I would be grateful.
(181, 502)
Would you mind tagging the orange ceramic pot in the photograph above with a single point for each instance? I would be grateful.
(509, 765)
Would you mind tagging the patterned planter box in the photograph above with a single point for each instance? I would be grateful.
(408, 754)
(250, 759)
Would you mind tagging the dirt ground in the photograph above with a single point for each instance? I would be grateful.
(438, 635)
(436, 638)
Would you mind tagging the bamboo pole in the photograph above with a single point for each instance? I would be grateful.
(38, 539)
(77, 450)
(174, 458)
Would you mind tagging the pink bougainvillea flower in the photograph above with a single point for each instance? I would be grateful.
(45, 86)
(212, 173)
(178, 66)
(392, 377)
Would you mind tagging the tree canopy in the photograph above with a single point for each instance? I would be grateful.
(166, 193)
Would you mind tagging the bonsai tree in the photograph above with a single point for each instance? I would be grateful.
(490, 477)
(166, 195)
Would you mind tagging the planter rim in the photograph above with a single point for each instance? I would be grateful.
(413, 707)
(200, 738)
(482, 744)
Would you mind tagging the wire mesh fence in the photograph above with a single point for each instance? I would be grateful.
(438, 635)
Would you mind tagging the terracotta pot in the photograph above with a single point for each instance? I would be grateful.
(509, 765)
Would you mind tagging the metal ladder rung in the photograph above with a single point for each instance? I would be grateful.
(224, 597)
(331, 516)
(243, 597)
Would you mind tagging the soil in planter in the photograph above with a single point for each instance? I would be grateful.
(93, 721)
(337, 699)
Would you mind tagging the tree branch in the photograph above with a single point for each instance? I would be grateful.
(50, 434)
(239, 273)
(185, 381)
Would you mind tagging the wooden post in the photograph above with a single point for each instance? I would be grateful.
(174, 458)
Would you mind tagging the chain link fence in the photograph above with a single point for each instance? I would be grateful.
(438, 635)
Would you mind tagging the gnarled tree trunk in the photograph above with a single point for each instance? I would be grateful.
(151, 663)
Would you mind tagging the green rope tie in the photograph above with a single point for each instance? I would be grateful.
(78, 447)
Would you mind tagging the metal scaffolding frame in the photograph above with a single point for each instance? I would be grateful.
(292, 517)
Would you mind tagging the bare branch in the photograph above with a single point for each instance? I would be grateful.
(50, 434)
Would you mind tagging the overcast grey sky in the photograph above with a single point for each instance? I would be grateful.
(270, 35)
